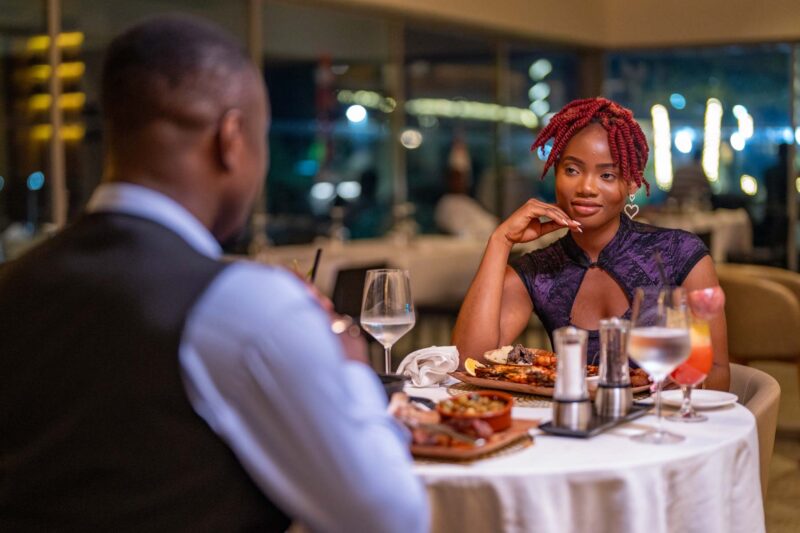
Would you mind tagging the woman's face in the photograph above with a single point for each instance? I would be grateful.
(589, 186)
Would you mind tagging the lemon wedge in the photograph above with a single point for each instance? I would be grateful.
(471, 364)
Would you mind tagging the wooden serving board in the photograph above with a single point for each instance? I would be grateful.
(516, 387)
(502, 385)
(519, 429)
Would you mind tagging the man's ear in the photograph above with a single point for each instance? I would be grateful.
(230, 138)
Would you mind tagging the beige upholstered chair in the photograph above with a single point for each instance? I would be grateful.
(763, 316)
(760, 393)
(787, 278)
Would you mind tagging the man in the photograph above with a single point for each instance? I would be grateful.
(456, 212)
(146, 385)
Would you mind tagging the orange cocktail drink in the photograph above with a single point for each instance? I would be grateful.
(695, 369)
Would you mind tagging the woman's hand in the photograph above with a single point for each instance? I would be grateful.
(524, 224)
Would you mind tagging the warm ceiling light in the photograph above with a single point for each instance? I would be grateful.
(69, 132)
(40, 43)
(67, 102)
(69, 70)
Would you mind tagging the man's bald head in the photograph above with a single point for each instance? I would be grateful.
(175, 69)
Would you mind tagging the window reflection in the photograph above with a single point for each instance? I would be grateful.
(543, 80)
(447, 76)
(330, 123)
(727, 107)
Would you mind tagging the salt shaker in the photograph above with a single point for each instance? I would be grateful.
(571, 405)
(614, 397)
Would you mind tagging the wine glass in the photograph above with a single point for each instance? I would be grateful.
(704, 305)
(659, 342)
(387, 311)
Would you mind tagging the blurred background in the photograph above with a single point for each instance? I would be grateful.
(381, 107)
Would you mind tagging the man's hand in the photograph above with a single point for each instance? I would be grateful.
(353, 343)
(345, 327)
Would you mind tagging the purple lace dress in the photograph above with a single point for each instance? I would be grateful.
(554, 274)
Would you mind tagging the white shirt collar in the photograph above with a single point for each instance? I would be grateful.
(147, 203)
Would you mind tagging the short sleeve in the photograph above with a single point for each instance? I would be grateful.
(525, 267)
(687, 250)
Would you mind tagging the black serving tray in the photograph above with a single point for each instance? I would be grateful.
(597, 424)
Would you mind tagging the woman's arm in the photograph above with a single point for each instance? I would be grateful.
(703, 276)
(497, 302)
(497, 307)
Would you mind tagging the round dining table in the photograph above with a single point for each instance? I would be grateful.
(609, 483)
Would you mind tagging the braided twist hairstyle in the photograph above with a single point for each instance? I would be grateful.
(625, 138)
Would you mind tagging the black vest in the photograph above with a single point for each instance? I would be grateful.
(96, 430)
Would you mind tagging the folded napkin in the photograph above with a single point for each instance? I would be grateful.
(429, 366)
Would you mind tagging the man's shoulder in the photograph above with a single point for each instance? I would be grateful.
(247, 294)
(258, 287)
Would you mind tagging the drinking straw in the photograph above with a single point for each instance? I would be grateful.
(316, 264)
(661, 273)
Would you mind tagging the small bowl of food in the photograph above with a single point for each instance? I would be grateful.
(491, 407)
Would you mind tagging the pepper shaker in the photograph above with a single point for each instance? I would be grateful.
(614, 397)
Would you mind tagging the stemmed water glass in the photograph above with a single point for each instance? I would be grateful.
(659, 342)
(387, 310)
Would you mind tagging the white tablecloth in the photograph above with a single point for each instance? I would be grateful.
(708, 483)
(730, 229)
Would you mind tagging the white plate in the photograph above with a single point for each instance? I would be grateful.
(701, 398)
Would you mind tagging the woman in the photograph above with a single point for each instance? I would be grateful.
(599, 154)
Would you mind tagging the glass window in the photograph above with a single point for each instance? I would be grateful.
(738, 95)
(542, 80)
(684, 80)
(451, 85)
(329, 140)
(23, 117)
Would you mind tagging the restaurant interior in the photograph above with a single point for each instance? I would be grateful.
(382, 110)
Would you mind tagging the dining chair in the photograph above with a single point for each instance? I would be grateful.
(348, 288)
(763, 316)
(787, 278)
(760, 394)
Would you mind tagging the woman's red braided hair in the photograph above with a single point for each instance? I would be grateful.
(625, 138)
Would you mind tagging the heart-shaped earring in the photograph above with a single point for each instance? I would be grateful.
(631, 209)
